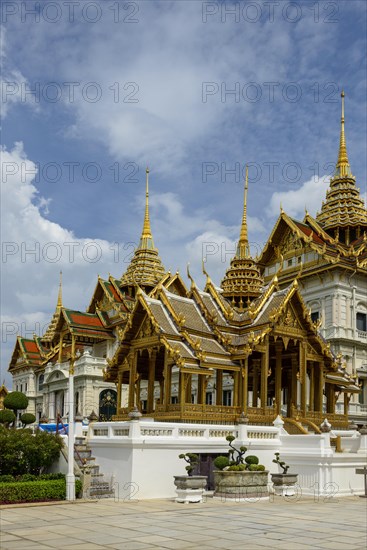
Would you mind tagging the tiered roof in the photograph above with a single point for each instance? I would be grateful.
(242, 281)
(343, 206)
(146, 268)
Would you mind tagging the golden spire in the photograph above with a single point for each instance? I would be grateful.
(342, 166)
(50, 332)
(243, 246)
(147, 232)
(343, 214)
(146, 268)
(59, 297)
(242, 282)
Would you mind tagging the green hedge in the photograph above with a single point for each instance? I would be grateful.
(35, 491)
(30, 477)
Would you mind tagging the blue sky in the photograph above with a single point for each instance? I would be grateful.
(91, 97)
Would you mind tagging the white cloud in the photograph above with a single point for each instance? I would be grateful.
(294, 202)
(13, 84)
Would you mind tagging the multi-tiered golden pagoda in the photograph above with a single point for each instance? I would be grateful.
(249, 349)
(260, 340)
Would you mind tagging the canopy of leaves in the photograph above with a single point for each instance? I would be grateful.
(6, 416)
(22, 452)
(27, 418)
(16, 400)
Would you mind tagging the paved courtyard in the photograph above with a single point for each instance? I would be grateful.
(290, 525)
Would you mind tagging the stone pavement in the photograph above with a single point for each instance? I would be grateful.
(338, 523)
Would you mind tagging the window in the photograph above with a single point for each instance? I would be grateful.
(21, 387)
(174, 399)
(192, 398)
(209, 398)
(315, 316)
(290, 262)
(26, 386)
(40, 382)
(299, 259)
(227, 398)
(362, 322)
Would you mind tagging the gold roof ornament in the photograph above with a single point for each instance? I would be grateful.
(343, 207)
(50, 332)
(242, 281)
(146, 268)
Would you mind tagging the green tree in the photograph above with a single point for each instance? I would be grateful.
(27, 418)
(22, 452)
(6, 417)
(16, 400)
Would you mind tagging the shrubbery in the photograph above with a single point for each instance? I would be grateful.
(35, 491)
(234, 462)
(6, 417)
(22, 452)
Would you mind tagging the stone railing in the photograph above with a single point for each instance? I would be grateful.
(149, 431)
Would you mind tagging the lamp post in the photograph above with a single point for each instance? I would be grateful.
(70, 477)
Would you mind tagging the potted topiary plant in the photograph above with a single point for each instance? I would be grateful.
(190, 487)
(237, 477)
(283, 483)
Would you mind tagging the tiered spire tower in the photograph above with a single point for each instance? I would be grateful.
(242, 281)
(146, 268)
(343, 215)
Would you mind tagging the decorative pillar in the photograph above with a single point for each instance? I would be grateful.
(311, 399)
(201, 385)
(182, 388)
(255, 381)
(244, 380)
(188, 388)
(346, 403)
(303, 375)
(236, 386)
(278, 376)
(119, 382)
(167, 373)
(51, 406)
(151, 380)
(294, 380)
(219, 387)
(264, 376)
(132, 379)
(319, 390)
(60, 348)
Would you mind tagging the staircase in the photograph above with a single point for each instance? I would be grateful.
(99, 486)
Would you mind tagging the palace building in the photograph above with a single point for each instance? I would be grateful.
(284, 334)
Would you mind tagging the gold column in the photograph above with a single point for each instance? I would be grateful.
(319, 389)
(264, 376)
(132, 379)
(188, 388)
(119, 382)
(60, 348)
(201, 387)
(294, 380)
(182, 389)
(303, 375)
(255, 381)
(167, 381)
(151, 380)
(346, 404)
(312, 386)
(278, 375)
(219, 386)
(244, 376)
(236, 386)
